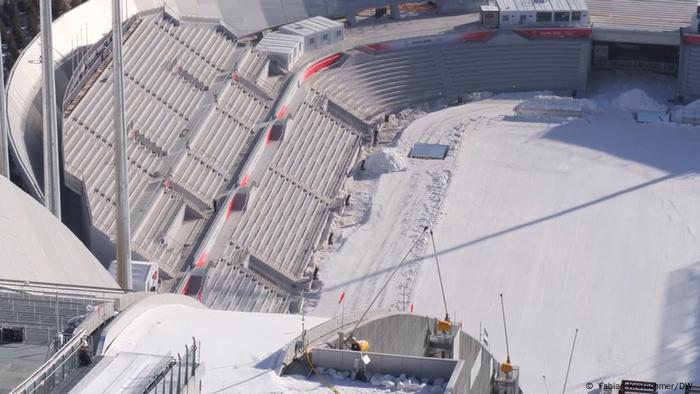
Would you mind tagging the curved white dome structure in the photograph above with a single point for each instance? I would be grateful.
(37, 248)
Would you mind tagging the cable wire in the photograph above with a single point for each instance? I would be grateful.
(420, 237)
(442, 286)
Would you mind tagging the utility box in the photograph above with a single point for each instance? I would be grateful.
(489, 16)
(144, 275)
(285, 49)
(318, 32)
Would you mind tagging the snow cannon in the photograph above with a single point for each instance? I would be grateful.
(506, 367)
(444, 326)
(359, 346)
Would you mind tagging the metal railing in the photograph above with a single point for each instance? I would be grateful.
(178, 373)
(55, 370)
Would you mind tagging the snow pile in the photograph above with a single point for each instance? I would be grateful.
(408, 384)
(693, 108)
(689, 114)
(385, 161)
(545, 105)
(635, 100)
(402, 383)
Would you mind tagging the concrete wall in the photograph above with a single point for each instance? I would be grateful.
(420, 367)
(479, 365)
(400, 333)
(689, 72)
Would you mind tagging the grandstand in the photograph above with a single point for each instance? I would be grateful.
(190, 126)
(202, 102)
(388, 81)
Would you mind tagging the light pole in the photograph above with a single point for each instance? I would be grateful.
(52, 185)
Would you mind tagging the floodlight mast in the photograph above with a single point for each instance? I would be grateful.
(52, 180)
(120, 158)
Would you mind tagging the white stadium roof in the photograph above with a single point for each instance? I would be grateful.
(36, 247)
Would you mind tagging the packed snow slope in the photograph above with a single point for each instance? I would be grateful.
(588, 223)
(239, 350)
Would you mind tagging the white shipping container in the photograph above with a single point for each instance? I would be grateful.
(285, 49)
(318, 32)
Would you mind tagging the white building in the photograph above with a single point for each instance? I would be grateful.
(285, 49)
(542, 13)
(318, 32)
(144, 275)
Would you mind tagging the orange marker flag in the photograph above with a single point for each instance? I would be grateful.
(342, 297)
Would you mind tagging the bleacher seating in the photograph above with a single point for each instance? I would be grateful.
(42, 317)
(221, 143)
(370, 84)
(283, 224)
(383, 82)
(231, 286)
(171, 73)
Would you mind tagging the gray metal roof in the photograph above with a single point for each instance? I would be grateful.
(37, 247)
(641, 15)
(542, 5)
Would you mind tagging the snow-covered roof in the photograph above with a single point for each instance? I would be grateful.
(312, 25)
(542, 5)
(235, 345)
(37, 247)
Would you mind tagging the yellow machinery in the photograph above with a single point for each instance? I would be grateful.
(443, 326)
(359, 345)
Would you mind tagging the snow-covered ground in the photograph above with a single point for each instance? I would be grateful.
(238, 349)
(588, 223)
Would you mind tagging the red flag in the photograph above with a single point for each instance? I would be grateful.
(411, 307)
(342, 297)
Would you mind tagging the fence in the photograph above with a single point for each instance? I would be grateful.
(55, 370)
(179, 373)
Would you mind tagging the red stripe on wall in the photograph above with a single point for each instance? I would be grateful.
(320, 65)
(230, 207)
(186, 286)
(555, 33)
(281, 112)
(202, 259)
(691, 39)
(476, 36)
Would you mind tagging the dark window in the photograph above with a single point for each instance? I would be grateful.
(544, 17)
(561, 16)
(576, 16)
(505, 18)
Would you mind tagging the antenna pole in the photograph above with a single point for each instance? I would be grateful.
(4, 128)
(545, 384)
(566, 379)
(52, 182)
(505, 330)
(442, 286)
(120, 159)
